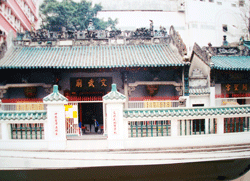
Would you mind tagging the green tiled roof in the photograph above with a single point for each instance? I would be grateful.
(185, 112)
(239, 63)
(159, 55)
(28, 115)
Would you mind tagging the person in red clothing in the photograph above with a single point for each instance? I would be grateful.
(82, 127)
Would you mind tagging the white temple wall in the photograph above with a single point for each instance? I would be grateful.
(200, 100)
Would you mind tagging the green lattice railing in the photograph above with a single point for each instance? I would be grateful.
(149, 128)
(190, 121)
(186, 112)
(27, 131)
(25, 124)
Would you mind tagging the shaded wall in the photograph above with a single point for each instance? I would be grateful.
(64, 76)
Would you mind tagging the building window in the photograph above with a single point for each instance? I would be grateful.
(32, 18)
(3, 7)
(18, 23)
(224, 28)
(8, 11)
(241, 3)
(34, 1)
(26, 7)
(211, 1)
(233, 5)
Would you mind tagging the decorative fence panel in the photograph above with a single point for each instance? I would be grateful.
(22, 124)
(237, 124)
(27, 131)
(72, 128)
(149, 128)
(197, 126)
(187, 121)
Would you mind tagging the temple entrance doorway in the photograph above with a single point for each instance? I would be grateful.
(89, 112)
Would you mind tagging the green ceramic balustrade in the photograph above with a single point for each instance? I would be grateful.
(186, 112)
(237, 124)
(187, 127)
(149, 128)
(27, 131)
(24, 130)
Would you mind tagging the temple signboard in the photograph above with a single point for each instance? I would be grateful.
(90, 84)
(227, 50)
(27, 106)
(236, 88)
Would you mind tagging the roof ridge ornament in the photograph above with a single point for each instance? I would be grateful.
(114, 94)
(55, 96)
(177, 41)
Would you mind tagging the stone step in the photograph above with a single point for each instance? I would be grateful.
(87, 136)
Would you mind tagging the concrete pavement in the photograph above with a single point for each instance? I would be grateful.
(105, 157)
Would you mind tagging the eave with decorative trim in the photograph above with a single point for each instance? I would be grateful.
(23, 115)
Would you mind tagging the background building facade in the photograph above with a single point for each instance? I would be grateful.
(17, 16)
(200, 21)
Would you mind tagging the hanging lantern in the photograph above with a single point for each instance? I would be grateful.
(152, 90)
(30, 92)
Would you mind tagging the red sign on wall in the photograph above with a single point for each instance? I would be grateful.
(235, 88)
(114, 121)
(56, 124)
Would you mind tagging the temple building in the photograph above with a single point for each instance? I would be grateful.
(150, 67)
(219, 76)
(145, 65)
(197, 21)
(147, 95)
(227, 68)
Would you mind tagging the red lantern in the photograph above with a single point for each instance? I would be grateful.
(30, 92)
(152, 90)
